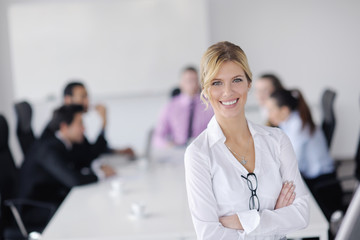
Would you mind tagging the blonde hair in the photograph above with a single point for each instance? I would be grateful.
(212, 60)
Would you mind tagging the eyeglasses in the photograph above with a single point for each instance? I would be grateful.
(252, 183)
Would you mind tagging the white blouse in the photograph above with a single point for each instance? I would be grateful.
(215, 187)
(311, 150)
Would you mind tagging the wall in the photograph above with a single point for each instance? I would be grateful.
(129, 53)
(6, 81)
(311, 45)
(120, 47)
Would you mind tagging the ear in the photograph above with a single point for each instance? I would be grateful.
(67, 100)
(63, 127)
(249, 86)
(285, 111)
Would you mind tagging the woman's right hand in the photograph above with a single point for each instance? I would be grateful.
(287, 195)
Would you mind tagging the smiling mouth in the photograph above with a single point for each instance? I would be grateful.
(230, 102)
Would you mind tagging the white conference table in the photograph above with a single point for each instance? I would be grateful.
(95, 211)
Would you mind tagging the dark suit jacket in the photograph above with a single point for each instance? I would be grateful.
(49, 172)
(82, 154)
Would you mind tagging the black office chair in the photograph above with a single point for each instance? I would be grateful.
(12, 225)
(8, 172)
(357, 158)
(24, 131)
(357, 162)
(176, 91)
(329, 121)
(352, 177)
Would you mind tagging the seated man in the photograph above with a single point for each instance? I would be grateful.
(185, 116)
(49, 172)
(86, 152)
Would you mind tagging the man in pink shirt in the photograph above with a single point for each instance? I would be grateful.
(185, 116)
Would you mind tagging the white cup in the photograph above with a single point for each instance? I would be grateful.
(117, 186)
(138, 209)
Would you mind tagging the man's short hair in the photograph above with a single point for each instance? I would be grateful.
(68, 91)
(64, 114)
(190, 68)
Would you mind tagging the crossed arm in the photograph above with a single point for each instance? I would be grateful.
(286, 198)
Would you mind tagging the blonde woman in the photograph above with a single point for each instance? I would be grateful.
(242, 179)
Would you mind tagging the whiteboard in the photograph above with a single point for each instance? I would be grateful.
(116, 47)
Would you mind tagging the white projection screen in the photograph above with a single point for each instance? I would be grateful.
(116, 46)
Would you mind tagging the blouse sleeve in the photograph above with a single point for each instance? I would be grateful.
(296, 216)
(202, 202)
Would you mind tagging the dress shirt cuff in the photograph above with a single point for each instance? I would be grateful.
(96, 167)
(249, 220)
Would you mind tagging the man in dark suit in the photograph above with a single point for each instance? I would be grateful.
(49, 169)
(85, 152)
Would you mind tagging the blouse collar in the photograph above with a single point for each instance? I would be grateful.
(216, 134)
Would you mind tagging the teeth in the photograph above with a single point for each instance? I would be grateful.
(229, 103)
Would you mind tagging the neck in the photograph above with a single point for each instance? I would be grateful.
(62, 137)
(234, 129)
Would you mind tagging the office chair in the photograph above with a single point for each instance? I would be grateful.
(23, 129)
(12, 225)
(353, 177)
(357, 162)
(176, 91)
(357, 158)
(329, 121)
(8, 172)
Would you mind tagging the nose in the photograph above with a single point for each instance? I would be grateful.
(228, 89)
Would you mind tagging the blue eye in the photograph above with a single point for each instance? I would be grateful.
(216, 83)
(237, 80)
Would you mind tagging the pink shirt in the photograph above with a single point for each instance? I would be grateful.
(173, 124)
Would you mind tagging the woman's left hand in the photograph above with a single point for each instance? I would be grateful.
(287, 195)
(231, 221)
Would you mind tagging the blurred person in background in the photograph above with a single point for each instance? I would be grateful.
(49, 171)
(265, 85)
(289, 111)
(185, 116)
(85, 152)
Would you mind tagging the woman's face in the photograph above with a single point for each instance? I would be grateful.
(263, 90)
(276, 114)
(228, 91)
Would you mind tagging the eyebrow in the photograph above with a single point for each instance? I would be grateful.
(240, 75)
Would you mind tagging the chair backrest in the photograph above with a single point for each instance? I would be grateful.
(357, 162)
(8, 170)
(24, 130)
(176, 91)
(357, 159)
(329, 121)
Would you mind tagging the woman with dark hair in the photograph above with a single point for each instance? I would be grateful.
(289, 111)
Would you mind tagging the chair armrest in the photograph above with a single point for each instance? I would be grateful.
(27, 202)
(13, 205)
